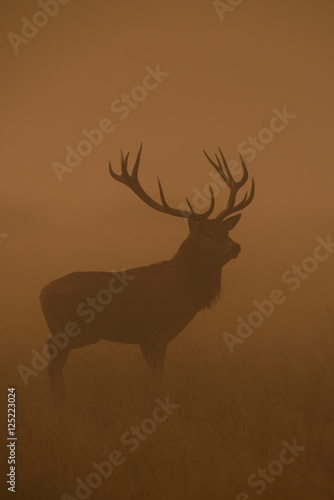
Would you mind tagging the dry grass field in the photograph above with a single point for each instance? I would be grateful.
(234, 413)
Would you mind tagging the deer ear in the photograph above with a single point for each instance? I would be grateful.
(232, 222)
(193, 225)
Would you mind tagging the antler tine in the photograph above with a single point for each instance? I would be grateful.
(251, 194)
(245, 172)
(246, 200)
(226, 165)
(190, 207)
(132, 181)
(233, 185)
(231, 198)
(240, 206)
(227, 178)
(124, 165)
(134, 174)
(218, 168)
(162, 196)
(212, 202)
(208, 157)
(209, 211)
(117, 177)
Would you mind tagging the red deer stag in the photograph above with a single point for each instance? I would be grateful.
(160, 299)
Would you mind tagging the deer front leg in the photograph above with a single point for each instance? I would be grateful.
(55, 372)
(154, 355)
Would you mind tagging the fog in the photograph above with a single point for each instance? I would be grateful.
(217, 78)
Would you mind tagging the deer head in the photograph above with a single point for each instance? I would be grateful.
(208, 237)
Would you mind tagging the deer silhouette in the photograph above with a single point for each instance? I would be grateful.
(158, 300)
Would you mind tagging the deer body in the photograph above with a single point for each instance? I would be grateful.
(161, 297)
(157, 302)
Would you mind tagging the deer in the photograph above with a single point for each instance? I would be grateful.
(160, 299)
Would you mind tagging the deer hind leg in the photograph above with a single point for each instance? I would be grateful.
(55, 371)
(155, 357)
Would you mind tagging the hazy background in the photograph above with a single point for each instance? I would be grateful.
(225, 77)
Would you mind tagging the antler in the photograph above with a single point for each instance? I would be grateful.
(131, 180)
(233, 185)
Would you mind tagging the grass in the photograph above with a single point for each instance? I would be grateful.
(234, 412)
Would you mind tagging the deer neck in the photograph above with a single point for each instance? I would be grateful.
(200, 276)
